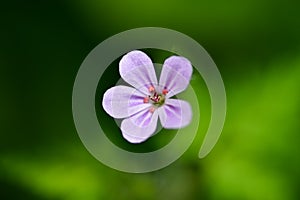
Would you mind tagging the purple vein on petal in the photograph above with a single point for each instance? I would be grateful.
(147, 121)
(147, 81)
(135, 100)
(123, 101)
(173, 110)
(175, 74)
(173, 85)
(136, 68)
(139, 120)
(171, 75)
(147, 77)
(143, 119)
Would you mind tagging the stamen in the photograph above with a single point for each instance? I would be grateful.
(152, 109)
(165, 91)
(151, 89)
(146, 100)
(155, 97)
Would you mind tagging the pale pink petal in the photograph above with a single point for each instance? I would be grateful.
(140, 126)
(175, 114)
(123, 101)
(137, 69)
(176, 74)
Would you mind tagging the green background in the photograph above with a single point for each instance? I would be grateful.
(254, 43)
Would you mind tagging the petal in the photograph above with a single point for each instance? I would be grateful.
(123, 101)
(176, 74)
(175, 114)
(140, 126)
(137, 69)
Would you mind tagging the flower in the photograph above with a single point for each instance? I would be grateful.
(149, 100)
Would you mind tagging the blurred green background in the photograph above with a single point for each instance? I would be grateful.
(254, 43)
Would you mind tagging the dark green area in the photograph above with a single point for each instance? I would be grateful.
(255, 45)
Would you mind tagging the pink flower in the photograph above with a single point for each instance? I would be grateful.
(149, 100)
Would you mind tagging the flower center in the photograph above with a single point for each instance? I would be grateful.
(155, 98)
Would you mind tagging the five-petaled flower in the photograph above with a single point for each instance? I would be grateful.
(149, 100)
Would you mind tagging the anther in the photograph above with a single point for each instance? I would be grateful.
(165, 91)
(146, 100)
(151, 89)
(152, 109)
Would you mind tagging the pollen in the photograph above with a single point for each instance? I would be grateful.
(146, 100)
(151, 89)
(165, 91)
(152, 109)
